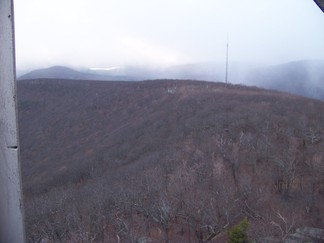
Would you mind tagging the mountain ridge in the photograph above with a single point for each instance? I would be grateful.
(62, 72)
(304, 77)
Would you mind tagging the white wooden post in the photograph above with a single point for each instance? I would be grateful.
(11, 206)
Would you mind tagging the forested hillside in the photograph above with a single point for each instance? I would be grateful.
(168, 161)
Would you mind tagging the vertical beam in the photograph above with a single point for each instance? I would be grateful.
(11, 208)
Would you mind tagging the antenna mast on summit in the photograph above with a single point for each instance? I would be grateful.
(226, 71)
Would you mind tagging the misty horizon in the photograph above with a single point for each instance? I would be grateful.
(304, 77)
(100, 34)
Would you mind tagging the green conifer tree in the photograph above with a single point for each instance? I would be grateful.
(237, 234)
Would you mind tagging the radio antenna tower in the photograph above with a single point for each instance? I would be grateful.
(226, 71)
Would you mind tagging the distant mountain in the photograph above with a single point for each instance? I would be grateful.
(304, 78)
(207, 71)
(61, 72)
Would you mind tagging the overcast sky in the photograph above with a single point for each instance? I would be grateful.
(106, 33)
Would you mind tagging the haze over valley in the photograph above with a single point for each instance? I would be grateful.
(305, 77)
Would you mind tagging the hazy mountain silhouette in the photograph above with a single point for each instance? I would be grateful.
(305, 78)
(61, 72)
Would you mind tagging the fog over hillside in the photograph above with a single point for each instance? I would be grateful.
(305, 77)
(301, 77)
